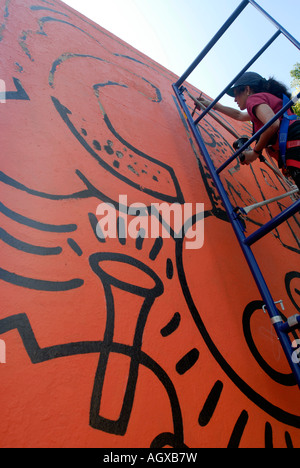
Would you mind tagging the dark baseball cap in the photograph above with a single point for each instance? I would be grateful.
(247, 79)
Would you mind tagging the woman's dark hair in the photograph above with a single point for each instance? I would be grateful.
(271, 86)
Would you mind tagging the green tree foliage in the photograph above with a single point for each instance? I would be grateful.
(295, 74)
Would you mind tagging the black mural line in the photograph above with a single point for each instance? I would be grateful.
(96, 228)
(64, 113)
(170, 269)
(155, 250)
(294, 218)
(19, 95)
(25, 247)
(121, 230)
(157, 246)
(296, 292)
(210, 404)
(143, 211)
(4, 178)
(288, 440)
(90, 192)
(39, 355)
(187, 361)
(256, 398)
(172, 326)
(111, 83)
(268, 436)
(38, 284)
(36, 224)
(73, 244)
(269, 440)
(217, 211)
(140, 239)
(283, 379)
(293, 232)
(5, 16)
(149, 210)
(42, 8)
(238, 430)
(66, 56)
(269, 179)
(42, 21)
(35, 283)
(150, 295)
(167, 439)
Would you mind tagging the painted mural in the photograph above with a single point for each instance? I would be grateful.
(128, 340)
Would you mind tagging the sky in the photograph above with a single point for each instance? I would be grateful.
(174, 32)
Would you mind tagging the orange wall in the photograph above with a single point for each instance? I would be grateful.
(122, 343)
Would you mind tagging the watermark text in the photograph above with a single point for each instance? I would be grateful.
(159, 220)
(2, 92)
(296, 353)
(2, 352)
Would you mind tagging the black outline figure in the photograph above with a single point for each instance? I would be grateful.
(149, 295)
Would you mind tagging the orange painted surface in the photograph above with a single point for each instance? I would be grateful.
(122, 343)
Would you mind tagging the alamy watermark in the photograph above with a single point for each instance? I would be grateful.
(159, 220)
(2, 352)
(2, 92)
(296, 353)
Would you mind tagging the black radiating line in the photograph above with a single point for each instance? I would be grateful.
(20, 94)
(96, 228)
(268, 436)
(238, 430)
(75, 247)
(210, 404)
(140, 239)
(36, 224)
(39, 285)
(171, 326)
(121, 230)
(288, 439)
(170, 269)
(156, 248)
(25, 247)
(187, 362)
(14, 183)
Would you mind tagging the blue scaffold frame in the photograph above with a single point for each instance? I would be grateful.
(283, 329)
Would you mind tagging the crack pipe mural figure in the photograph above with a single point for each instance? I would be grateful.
(149, 294)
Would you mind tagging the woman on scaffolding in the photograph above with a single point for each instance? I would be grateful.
(259, 100)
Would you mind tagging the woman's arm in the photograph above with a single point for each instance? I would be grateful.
(233, 113)
(229, 111)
